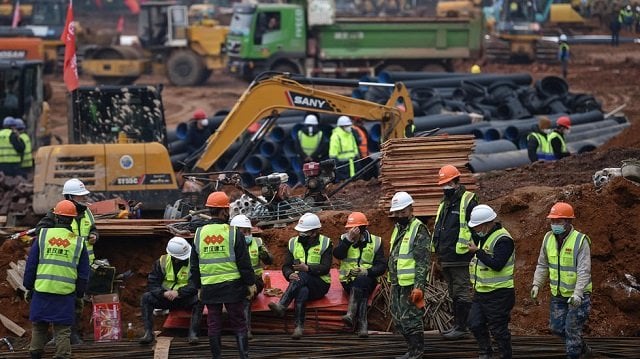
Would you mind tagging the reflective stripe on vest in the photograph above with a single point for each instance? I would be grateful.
(464, 233)
(173, 281)
(8, 154)
(254, 253)
(313, 254)
(543, 145)
(214, 244)
(82, 228)
(309, 144)
(565, 263)
(406, 264)
(353, 259)
(27, 155)
(551, 155)
(483, 278)
(57, 269)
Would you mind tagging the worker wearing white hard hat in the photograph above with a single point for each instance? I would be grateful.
(258, 253)
(311, 146)
(409, 264)
(168, 288)
(306, 267)
(343, 148)
(491, 269)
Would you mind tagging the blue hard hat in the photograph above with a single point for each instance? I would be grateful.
(19, 124)
(8, 121)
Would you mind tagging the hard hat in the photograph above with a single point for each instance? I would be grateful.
(74, 187)
(65, 208)
(311, 119)
(307, 222)
(356, 219)
(19, 124)
(241, 221)
(8, 121)
(481, 214)
(199, 114)
(564, 121)
(447, 173)
(217, 200)
(563, 37)
(178, 248)
(561, 210)
(475, 69)
(628, 7)
(344, 121)
(400, 201)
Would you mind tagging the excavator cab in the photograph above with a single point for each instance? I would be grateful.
(162, 24)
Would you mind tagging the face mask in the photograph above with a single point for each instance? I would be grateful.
(557, 228)
(204, 123)
(347, 128)
(310, 130)
(448, 192)
(248, 239)
(567, 131)
(403, 221)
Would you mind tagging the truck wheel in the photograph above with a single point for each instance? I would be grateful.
(185, 68)
(205, 76)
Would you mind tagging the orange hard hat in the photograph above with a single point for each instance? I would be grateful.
(199, 114)
(564, 121)
(447, 173)
(561, 210)
(65, 208)
(218, 200)
(356, 219)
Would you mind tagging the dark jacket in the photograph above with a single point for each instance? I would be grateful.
(314, 269)
(556, 147)
(196, 138)
(379, 265)
(156, 277)
(226, 292)
(502, 250)
(532, 144)
(446, 231)
(17, 142)
(49, 220)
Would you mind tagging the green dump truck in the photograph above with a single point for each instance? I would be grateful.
(313, 40)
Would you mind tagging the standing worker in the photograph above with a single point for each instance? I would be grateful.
(257, 252)
(343, 148)
(306, 267)
(310, 146)
(198, 131)
(221, 268)
(409, 264)
(26, 166)
(11, 148)
(362, 261)
(56, 276)
(563, 54)
(557, 144)
(168, 289)
(537, 142)
(451, 237)
(615, 25)
(565, 257)
(491, 271)
(625, 17)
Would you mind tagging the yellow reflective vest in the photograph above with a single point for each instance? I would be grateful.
(8, 154)
(563, 262)
(254, 254)
(309, 144)
(27, 156)
(343, 147)
(551, 155)
(313, 254)
(406, 264)
(215, 244)
(57, 269)
(354, 260)
(483, 278)
(544, 148)
(464, 233)
(173, 281)
(82, 228)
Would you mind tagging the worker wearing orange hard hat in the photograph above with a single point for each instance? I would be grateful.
(362, 262)
(557, 144)
(565, 258)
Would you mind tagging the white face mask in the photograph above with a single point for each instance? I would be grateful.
(204, 123)
(310, 130)
(448, 186)
(347, 128)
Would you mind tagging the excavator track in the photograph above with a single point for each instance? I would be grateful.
(497, 50)
(546, 52)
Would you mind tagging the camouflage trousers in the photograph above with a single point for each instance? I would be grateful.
(407, 318)
(567, 323)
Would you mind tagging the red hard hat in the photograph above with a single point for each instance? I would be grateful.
(564, 121)
(218, 200)
(561, 210)
(65, 208)
(199, 114)
(356, 219)
(447, 173)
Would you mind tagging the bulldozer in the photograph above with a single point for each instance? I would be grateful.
(168, 43)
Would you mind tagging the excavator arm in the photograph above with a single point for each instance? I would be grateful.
(270, 96)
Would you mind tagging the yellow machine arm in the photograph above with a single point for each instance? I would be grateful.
(273, 95)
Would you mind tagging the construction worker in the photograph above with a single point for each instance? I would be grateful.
(636, 17)
(537, 143)
(198, 131)
(409, 265)
(557, 145)
(306, 267)
(343, 148)
(475, 69)
(167, 288)
(491, 272)
(224, 277)
(625, 17)
(11, 148)
(565, 258)
(258, 253)
(310, 146)
(362, 261)
(26, 166)
(409, 129)
(615, 25)
(360, 134)
(564, 54)
(56, 275)
(451, 237)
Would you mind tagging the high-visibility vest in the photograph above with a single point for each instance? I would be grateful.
(215, 244)
(173, 281)
(8, 154)
(309, 144)
(551, 155)
(544, 148)
(563, 262)
(57, 269)
(354, 260)
(563, 47)
(343, 147)
(406, 264)
(409, 131)
(483, 278)
(27, 155)
(464, 233)
(313, 255)
(363, 147)
(82, 228)
(254, 253)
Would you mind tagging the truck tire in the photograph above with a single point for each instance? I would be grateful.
(185, 68)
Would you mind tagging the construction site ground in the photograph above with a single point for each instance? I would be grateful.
(522, 197)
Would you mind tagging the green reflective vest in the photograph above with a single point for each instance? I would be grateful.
(354, 260)
(464, 234)
(173, 281)
(8, 154)
(27, 156)
(254, 253)
(313, 255)
(57, 269)
(343, 147)
(483, 278)
(82, 228)
(309, 144)
(563, 262)
(406, 264)
(551, 155)
(214, 244)
(544, 148)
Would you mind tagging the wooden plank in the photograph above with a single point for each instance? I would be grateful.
(15, 280)
(13, 327)
(161, 349)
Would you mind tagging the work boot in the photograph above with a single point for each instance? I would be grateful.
(147, 320)
(243, 346)
(484, 356)
(484, 346)
(216, 346)
(194, 326)
(587, 352)
(280, 308)
(247, 316)
(461, 312)
(74, 338)
(504, 347)
(300, 313)
(363, 330)
(416, 346)
(35, 355)
(351, 308)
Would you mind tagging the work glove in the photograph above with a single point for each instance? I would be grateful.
(355, 272)
(534, 292)
(417, 297)
(28, 296)
(252, 290)
(574, 301)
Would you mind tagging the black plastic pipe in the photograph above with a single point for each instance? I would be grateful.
(485, 147)
(485, 80)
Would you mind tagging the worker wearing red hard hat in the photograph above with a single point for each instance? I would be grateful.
(565, 258)
(198, 131)
(557, 144)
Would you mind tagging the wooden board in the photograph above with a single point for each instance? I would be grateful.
(161, 349)
(13, 327)
(15, 279)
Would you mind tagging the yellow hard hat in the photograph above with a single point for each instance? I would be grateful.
(475, 69)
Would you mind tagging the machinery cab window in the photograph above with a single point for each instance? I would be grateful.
(267, 22)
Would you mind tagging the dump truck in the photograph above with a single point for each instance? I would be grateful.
(313, 39)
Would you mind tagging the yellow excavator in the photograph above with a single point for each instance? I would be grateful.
(143, 171)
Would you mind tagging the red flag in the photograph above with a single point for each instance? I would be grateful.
(133, 6)
(70, 63)
(16, 15)
(120, 27)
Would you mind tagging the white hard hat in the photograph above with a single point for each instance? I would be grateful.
(307, 222)
(311, 119)
(344, 121)
(241, 221)
(74, 187)
(178, 248)
(481, 214)
(400, 201)
(563, 37)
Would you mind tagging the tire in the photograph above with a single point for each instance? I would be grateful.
(185, 68)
